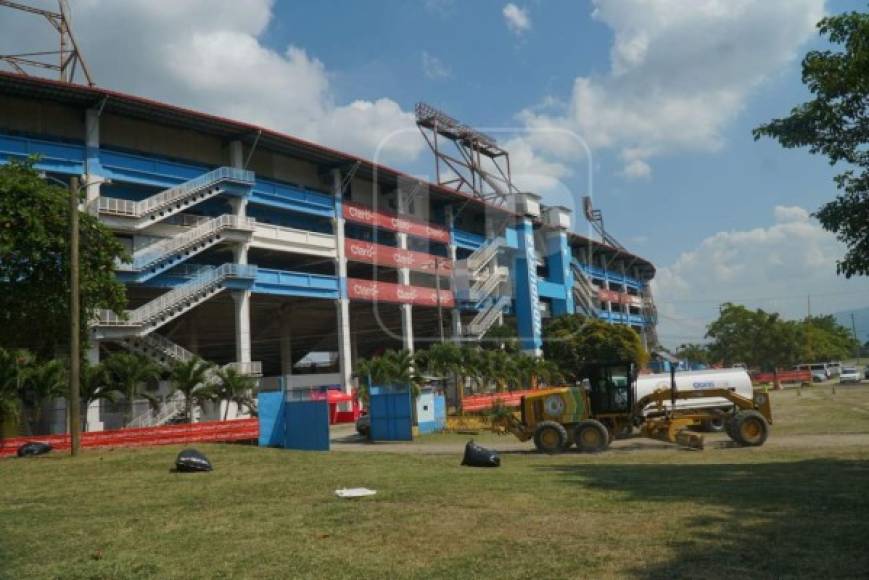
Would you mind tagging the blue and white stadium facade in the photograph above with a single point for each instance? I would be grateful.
(254, 248)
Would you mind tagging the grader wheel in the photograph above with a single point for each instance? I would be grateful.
(591, 436)
(749, 428)
(551, 437)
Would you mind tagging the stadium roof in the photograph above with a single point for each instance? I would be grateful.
(19, 85)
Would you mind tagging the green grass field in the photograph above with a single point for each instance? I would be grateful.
(798, 510)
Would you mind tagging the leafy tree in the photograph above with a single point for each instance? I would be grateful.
(693, 353)
(824, 339)
(132, 375)
(13, 364)
(445, 359)
(533, 370)
(96, 385)
(757, 338)
(501, 337)
(34, 271)
(835, 123)
(191, 380)
(390, 368)
(42, 382)
(234, 387)
(574, 342)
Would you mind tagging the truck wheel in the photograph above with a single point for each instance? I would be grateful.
(591, 436)
(750, 428)
(550, 437)
(714, 425)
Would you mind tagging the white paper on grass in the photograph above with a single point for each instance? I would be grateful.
(354, 492)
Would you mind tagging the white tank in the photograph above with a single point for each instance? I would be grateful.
(735, 379)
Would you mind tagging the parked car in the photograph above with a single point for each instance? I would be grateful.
(820, 371)
(849, 375)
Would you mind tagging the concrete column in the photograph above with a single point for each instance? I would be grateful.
(345, 361)
(93, 169)
(529, 321)
(452, 253)
(560, 271)
(239, 253)
(606, 285)
(242, 325)
(236, 154)
(404, 279)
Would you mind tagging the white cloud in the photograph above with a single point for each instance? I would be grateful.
(680, 72)
(789, 214)
(209, 55)
(516, 18)
(433, 67)
(637, 169)
(775, 268)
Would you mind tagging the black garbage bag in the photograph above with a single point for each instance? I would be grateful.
(476, 456)
(33, 448)
(191, 460)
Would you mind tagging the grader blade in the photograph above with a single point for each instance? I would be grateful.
(673, 431)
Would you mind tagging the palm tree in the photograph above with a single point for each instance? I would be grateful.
(41, 382)
(191, 379)
(234, 387)
(443, 359)
(12, 364)
(130, 374)
(502, 369)
(390, 368)
(96, 385)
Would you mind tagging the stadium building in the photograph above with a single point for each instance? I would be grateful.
(256, 249)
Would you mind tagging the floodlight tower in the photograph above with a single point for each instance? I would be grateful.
(69, 56)
(474, 164)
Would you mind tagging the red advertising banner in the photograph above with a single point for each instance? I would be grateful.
(618, 297)
(359, 251)
(394, 222)
(388, 292)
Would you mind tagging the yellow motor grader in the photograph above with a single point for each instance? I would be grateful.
(605, 406)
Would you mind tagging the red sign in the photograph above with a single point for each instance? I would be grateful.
(387, 292)
(394, 222)
(359, 251)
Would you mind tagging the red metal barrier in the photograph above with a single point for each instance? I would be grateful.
(804, 376)
(206, 432)
(476, 403)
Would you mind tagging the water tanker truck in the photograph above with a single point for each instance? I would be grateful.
(613, 401)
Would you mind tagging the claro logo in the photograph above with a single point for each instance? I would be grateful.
(365, 290)
(363, 251)
(403, 260)
(360, 214)
(408, 294)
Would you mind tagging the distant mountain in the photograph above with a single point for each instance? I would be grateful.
(861, 321)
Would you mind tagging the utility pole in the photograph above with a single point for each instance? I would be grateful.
(440, 307)
(854, 327)
(74, 320)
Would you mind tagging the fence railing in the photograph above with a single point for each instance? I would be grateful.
(176, 193)
(170, 299)
(160, 250)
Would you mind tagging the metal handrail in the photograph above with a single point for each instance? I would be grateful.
(166, 301)
(160, 250)
(487, 317)
(485, 286)
(482, 256)
(173, 194)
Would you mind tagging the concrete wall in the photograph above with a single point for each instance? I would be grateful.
(41, 118)
(279, 167)
(144, 137)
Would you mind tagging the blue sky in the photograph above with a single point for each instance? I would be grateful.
(664, 92)
(493, 75)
